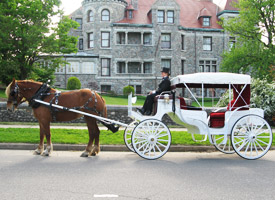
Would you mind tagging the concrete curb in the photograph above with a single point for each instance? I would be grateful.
(75, 147)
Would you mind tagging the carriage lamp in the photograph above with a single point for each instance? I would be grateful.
(166, 98)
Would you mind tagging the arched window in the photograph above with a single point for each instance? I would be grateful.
(105, 15)
(90, 16)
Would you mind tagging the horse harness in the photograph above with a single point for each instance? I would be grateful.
(44, 91)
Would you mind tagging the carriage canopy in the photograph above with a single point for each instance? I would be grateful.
(210, 80)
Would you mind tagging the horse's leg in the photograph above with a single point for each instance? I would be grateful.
(45, 128)
(40, 147)
(93, 130)
(96, 132)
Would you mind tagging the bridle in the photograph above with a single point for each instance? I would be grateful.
(15, 94)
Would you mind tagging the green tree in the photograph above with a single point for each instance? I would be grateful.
(27, 32)
(254, 51)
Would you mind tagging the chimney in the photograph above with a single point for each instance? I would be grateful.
(135, 4)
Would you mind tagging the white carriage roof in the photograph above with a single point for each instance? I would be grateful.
(212, 78)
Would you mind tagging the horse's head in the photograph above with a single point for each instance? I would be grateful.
(14, 96)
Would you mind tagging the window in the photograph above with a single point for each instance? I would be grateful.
(138, 89)
(182, 66)
(121, 67)
(105, 88)
(90, 40)
(160, 16)
(207, 43)
(206, 21)
(105, 39)
(134, 38)
(79, 20)
(90, 16)
(130, 14)
(182, 42)
(170, 17)
(147, 38)
(88, 68)
(166, 63)
(105, 15)
(120, 38)
(105, 66)
(166, 41)
(73, 67)
(232, 41)
(134, 68)
(80, 44)
(60, 69)
(147, 67)
(208, 66)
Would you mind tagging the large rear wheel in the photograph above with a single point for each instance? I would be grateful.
(251, 137)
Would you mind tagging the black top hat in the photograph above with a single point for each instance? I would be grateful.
(165, 70)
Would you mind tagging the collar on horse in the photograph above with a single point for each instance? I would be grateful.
(41, 93)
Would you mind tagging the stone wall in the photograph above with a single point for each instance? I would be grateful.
(24, 114)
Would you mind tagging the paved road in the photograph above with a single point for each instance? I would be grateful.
(119, 175)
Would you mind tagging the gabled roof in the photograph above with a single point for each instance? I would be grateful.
(189, 10)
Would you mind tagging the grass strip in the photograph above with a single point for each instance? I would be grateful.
(77, 136)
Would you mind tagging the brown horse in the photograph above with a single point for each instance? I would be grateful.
(84, 100)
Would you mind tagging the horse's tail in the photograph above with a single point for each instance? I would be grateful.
(110, 126)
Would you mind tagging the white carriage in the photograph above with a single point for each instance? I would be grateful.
(235, 128)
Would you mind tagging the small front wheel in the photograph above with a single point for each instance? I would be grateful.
(225, 148)
(151, 139)
(251, 137)
(128, 135)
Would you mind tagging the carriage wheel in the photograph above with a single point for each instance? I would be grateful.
(128, 135)
(151, 139)
(225, 148)
(251, 137)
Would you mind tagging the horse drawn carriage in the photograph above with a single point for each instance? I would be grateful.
(235, 128)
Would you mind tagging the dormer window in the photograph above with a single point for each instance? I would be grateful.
(206, 21)
(161, 16)
(170, 17)
(130, 11)
(130, 15)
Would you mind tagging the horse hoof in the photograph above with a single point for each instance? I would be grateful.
(85, 154)
(93, 154)
(36, 152)
(45, 154)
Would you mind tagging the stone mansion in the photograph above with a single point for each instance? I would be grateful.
(127, 42)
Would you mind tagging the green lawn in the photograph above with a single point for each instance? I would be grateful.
(122, 100)
(77, 136)
(2, 93)
(208, 102)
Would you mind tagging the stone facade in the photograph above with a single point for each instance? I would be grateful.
(133, 53)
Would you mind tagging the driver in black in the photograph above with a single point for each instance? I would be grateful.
(163, 86)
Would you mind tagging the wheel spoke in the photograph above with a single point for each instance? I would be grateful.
(243, 144)
(262, 141)
(256, 148)
(259, 145)
(161, 144)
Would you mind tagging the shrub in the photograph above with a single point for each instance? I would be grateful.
(263, 96)
(73, 83)
(128, 89)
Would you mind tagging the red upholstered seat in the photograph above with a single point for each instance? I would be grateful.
(217, 119)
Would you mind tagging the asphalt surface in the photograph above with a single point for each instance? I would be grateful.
(124, 175)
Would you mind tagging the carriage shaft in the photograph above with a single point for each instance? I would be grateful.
(82, 113)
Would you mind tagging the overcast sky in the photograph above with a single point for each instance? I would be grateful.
(71, 5)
